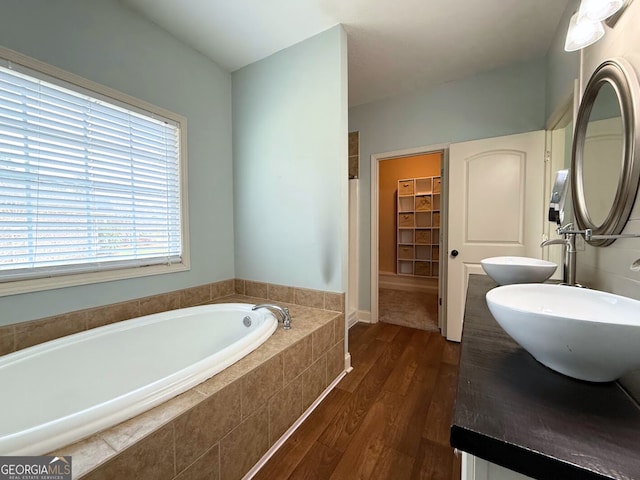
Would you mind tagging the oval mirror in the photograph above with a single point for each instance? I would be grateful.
(604, 169)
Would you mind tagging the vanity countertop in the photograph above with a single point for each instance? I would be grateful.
(517, 413)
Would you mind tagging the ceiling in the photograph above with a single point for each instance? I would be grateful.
(395, 46)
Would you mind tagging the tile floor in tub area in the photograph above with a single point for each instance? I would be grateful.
(222, 427)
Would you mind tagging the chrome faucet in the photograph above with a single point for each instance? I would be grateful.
(285, 316)
(569, 241)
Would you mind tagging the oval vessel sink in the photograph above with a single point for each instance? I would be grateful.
(582, 333)
(508, 270)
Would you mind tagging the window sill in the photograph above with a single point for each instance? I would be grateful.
(40, 284)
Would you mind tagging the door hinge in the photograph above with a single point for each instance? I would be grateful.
(547, 156)
(440, 301)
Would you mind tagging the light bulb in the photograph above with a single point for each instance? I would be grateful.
(582, 32)
(598, 10)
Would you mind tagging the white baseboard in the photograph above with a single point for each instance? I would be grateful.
(352, 319)
(358, 316)
(364, 316)
(347, 362)
(407, 283)
(265, 458)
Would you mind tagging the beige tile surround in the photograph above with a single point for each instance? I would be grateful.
(26, 334)
(222, 427)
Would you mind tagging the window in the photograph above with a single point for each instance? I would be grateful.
(88, 183)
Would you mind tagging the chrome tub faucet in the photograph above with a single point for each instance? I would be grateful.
(285, 316)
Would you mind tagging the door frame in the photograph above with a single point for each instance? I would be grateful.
(376, 158)
(353, 297)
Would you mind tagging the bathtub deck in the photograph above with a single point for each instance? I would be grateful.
(248, 405)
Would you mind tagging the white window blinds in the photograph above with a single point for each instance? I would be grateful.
(85, 184)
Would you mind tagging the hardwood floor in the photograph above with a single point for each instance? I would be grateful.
(387, 419)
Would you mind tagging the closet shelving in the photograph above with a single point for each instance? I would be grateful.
(418, 226)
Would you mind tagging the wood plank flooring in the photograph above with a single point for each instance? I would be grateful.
(387, 419)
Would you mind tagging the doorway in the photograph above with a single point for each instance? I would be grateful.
(407, 213)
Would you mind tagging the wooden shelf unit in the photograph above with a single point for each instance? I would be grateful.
(418, 226)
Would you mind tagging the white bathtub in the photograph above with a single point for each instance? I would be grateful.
(61, 391)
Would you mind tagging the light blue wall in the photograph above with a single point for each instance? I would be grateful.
(562, 67)
(105, 42)
(290, 165)
(499, 102)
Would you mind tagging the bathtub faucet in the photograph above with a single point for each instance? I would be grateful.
(283, 311)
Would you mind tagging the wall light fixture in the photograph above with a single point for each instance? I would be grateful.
(599, 10)
(586, 25)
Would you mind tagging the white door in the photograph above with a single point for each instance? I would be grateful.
(496, 189)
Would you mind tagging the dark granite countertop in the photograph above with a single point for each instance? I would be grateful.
(515, 412)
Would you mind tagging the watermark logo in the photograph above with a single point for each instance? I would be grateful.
(35, 468)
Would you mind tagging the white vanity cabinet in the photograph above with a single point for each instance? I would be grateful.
(474, 468)
(418, 226)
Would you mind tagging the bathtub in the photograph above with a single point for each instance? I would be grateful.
(61, 391)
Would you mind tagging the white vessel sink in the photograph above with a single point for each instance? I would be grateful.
(508, 270)
(585, 334)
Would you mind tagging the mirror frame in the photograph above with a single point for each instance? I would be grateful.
(622, 77)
